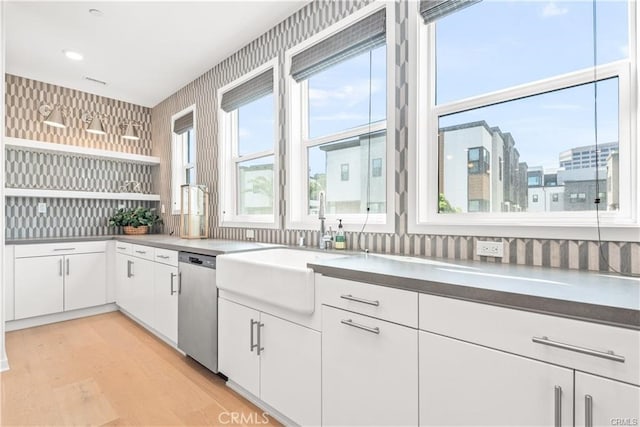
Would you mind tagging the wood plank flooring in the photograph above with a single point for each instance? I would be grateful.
(107, 370)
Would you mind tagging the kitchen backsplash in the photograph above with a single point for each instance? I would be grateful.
(58, 171)
(309, 20)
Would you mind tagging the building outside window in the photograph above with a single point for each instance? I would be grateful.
(247, 118)
(183, 154)
(339, 140)
(530, 110)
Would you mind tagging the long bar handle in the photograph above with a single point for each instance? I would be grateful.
(610, 355)
(122, 248)
(557, 414)
(64, 249)
(588, 411)
(353, 324)
(129, 273)
(251, 344)
(173, 275)
(375, 303)
(67, 266)
(141, 252)
(163, 256)
(179, 283)
(260, 348)
(60, 267)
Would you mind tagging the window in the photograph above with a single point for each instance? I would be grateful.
(528, 108)
(554, 197)
(339, 142)
(248, 141)
(183, 154)
(344, 172)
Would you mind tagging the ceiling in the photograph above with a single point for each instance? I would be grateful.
(145, 51)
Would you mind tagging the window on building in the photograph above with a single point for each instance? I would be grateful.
(339, 137)
(183, 154)
(534, 198)
(376, 167)
(247, 118)
(344, 172)
(554, 197)
(526, 103)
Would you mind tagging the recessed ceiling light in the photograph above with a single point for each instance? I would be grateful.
(73, 55)
(96, 12)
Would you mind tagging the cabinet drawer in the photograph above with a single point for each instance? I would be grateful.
(145, 252)
(25, 251)
(124, 248)
(572, 343)
(394, 305)
(166, 256)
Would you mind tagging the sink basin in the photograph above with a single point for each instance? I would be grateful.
(279, 276)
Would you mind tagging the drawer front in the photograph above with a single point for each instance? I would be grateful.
(124, 248)
(47, 249)
(572, 343)
(166, 256)
(145, 252)
(394, 305)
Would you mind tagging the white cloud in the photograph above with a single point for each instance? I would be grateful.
(349, 95)
(244, 133)
(563, 107)
(552, 9)
(624, 50)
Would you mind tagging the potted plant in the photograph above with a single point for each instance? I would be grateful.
(134, 220)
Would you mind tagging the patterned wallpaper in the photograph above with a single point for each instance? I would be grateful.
(314, 17)
(61, 171)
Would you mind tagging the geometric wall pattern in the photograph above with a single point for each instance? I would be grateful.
(61, 171)
(54, 171)
(24, 96)
(315, 16)
(64, 217)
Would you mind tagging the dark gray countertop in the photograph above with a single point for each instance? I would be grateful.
(199, 246)
(591, 296)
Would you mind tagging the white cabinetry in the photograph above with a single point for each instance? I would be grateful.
(147, 287)
(52, 278)
(605, 402)
(466, 384)
(275, 360)
(8, 283)
(369, 371)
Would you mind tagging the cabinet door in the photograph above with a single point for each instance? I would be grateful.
(165, 316)
(466, 384)
(369, 376)
(39, 286)
(124, 280)
(85, 283)
(237, 358)
(140, 295)
(611, 402)
(290, 369)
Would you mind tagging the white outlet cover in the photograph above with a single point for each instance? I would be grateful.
(42, 208)
(485, 248)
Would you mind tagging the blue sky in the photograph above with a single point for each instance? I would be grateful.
(489, 46)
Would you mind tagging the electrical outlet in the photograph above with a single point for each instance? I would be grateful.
(42, 208)
(495, 249)
(250, 234)
(162, 209)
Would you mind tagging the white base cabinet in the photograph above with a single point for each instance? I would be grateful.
(273, 359)
(52, 278)
(466, 384)
(606, 402)
(369, 371)
(165, 292)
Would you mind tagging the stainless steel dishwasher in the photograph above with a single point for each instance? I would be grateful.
(198, 308)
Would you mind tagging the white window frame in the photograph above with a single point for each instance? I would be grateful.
(297, 161)
(423, 156)
(178, 155)
(228, 158)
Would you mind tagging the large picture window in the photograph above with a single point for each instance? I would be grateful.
(339, 138)
(532, 109)
(247, 118)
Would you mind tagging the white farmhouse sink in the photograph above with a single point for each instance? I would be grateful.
(279, 276)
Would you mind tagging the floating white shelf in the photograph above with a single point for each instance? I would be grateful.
(81, 151)
(63, 194)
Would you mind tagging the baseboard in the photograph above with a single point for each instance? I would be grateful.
(158, 335)
(260, 404)
(15, 325)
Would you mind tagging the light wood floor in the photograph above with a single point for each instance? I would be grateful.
(107, 370)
